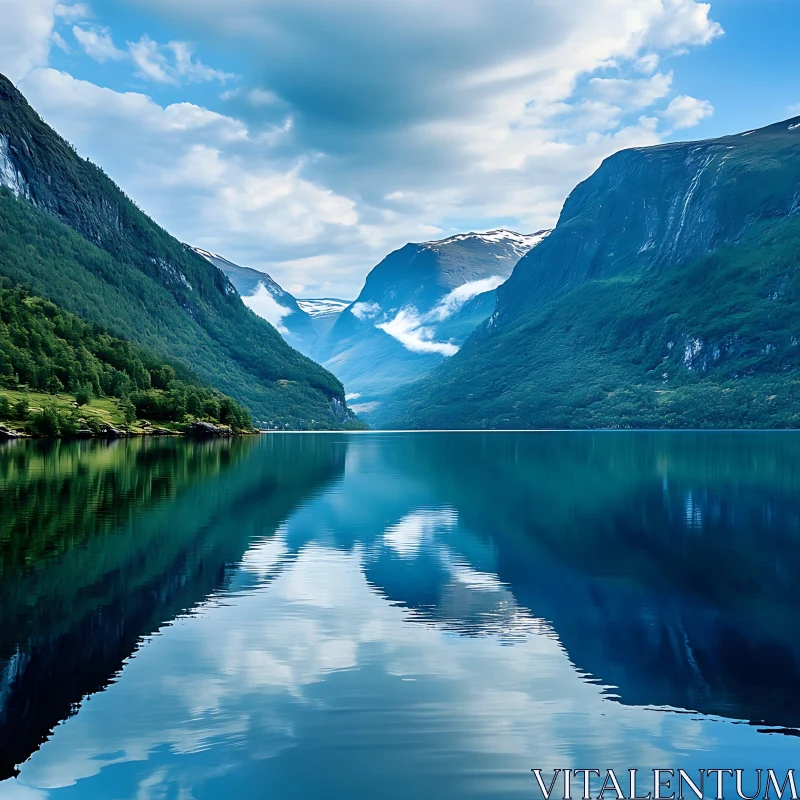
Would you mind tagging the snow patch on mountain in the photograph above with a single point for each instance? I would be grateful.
(263, 303)
(519, 243)
(212, 257)
(323, 306)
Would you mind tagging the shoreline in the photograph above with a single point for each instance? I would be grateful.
(195, 430)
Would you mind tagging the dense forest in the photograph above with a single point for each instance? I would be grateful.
(47, 350)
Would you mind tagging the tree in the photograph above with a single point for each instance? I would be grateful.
(5, 408)
(211, 408)
(162, 377)
(128, 410)
(194, 403)
(21, 410)
(83, 395)
(49, 423)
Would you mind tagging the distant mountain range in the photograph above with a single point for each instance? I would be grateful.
(668, 295)
(416, 309)
(71, 236)
(304, 323)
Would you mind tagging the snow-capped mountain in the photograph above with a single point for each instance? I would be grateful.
(324, 312)
(417, 307)
(323, 306)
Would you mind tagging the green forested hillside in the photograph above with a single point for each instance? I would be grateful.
(667, 296)
(54, 353)
(70, 234)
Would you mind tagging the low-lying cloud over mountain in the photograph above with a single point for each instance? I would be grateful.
(417, 307)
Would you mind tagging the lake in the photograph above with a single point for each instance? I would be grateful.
(394, 615)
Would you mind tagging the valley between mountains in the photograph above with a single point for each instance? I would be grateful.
(666, 296)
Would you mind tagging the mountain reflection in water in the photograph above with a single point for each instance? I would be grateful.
(422, 614)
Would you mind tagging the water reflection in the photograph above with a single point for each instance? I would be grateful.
(416, 615)
(103, 543)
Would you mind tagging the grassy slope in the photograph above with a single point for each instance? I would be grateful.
(105, 410)
(87, 247)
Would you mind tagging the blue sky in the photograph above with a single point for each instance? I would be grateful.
(308, 138)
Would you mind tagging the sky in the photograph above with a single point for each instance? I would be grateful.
(310, 138)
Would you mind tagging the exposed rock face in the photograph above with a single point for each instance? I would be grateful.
(657, 207)
(205, 430)
(10, 176)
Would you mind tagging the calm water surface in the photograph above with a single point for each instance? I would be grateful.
(394, 615)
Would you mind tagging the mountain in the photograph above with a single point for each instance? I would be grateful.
(71, 235)
(416, 308)
(266, 298)
(666, 296)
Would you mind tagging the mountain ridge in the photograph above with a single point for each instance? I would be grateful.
(72, 236)
(666, 296)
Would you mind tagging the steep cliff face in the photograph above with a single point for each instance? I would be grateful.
(70, 234)
(649, 209)
(666, 296)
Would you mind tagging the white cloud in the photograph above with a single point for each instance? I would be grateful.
(25, 34)
(365, 311)
(85, 112)
(364, 131)
(364, 408)
(266, 306)
(171, 63)
(686, 112)
(633, 94)
(453, 301)
(408, 328)
(680, 23)
(262, 97)
(415, 330)
(70, 12)
(648, 63)
(98, 44)
(58, 40)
